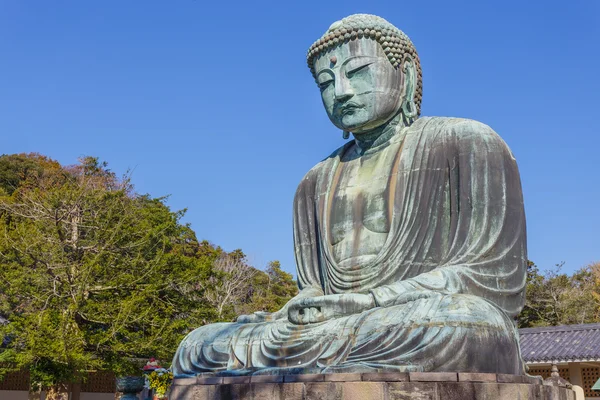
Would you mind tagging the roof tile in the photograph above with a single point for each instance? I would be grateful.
(561, 343)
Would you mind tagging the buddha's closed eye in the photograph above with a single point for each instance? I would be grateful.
(326, 83)
(324, 79)
(352, 70)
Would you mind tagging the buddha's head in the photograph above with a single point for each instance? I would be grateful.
(368, 72)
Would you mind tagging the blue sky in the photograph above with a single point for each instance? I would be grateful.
(212, 102)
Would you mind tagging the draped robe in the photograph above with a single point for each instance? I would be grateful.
(448, 281)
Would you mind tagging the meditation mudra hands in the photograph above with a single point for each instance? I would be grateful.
(322, 308)
(311, 306)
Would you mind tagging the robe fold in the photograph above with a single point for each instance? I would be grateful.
(448, 280)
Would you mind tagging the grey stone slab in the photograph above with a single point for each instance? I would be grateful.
(191, 392)
(498, 391)
(514, 392)
(433, 376)
(184, 381)
(266, 379)
(292, 391)
(412, 391)
(230, 380)
(386, 377)
(343, 377)
(304, 378)
(235, 391)
(507, 378)
(534, 392)
(489, 390)
(323, 391)
(364, 390)
(209, 380)
(372, 390)
(533, 380)
(177, 392)
(550, 393)
(476, 377)
(267, 391)
(457, 391)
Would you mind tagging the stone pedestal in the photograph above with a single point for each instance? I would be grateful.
(383, 386)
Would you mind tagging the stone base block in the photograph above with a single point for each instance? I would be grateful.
(428, 386)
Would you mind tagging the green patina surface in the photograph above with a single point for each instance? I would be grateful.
(410, 239)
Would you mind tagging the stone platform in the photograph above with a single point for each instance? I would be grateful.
(378, 386)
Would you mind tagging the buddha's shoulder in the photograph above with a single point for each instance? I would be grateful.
(444, 128)
(326, 163)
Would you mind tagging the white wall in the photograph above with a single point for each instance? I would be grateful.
(13, 395)
(97, 396)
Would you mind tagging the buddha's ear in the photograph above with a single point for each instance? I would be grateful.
(409, 108)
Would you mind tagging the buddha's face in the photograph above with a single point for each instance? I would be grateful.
(360, 88)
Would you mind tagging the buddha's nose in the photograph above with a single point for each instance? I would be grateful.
(343, 89)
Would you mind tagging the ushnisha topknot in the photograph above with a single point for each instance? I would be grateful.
(396, 45)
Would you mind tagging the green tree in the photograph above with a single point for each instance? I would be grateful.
(269, 291)
(93, 275)
(555, 298)
(229, 285)
(16, 168)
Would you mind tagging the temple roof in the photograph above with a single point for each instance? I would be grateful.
(558, 344)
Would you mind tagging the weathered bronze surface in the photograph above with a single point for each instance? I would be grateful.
(410, 239)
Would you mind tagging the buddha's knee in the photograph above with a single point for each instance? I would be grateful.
(485, 335)
(203, 349)
(472, 311)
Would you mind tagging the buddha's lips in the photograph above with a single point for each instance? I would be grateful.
(349, 108)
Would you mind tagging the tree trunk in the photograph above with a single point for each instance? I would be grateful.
(75, 391)
(58, 392)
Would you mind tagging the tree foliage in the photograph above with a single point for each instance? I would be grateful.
(555, 298)
(229, 284)
(270, 290)
(95, 276)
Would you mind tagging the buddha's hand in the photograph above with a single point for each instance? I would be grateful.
(323, 308)
(262, 316)
(255, 317)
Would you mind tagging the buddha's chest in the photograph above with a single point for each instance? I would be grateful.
(360, 202)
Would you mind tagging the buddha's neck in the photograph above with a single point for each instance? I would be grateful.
(366, 141)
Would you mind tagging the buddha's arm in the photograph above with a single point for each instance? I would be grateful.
(306, 237)
(484, 226)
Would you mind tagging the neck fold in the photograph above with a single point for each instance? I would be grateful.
(372, 139)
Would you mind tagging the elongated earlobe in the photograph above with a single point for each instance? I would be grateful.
(409, 108)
